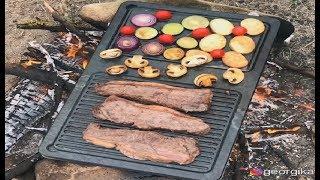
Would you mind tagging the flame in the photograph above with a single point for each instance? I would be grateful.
(30, 62)
(84, 63)
(73, 50)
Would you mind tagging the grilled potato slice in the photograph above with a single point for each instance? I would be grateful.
(242, 44)
(173, 54)
(234, 59)
(221, 26)
(187, 42)
(212, 42)
(253, 26)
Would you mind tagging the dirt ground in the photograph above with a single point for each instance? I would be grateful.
(299, 52)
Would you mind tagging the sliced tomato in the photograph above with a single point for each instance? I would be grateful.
(217, 53)
(239, 31)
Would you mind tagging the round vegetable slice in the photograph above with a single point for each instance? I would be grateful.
(212, 42)
(149, 72)
(153, 49)
(194, 22)
(217, 53)
(127, 43)
(146, 33)
(173, 54)
(234, 59)
(136, 62)
(166, 39)
(253, 26)
(127, 30)
(110, 53)
(176, 70)
(142, 20)
(116, 70)
(172, 28)
(193, 52)
(242, 44)
(195, 60)
(163, 15)
(205, 80)
(239, 31)
(187, 42)
(200, 33)
(221, 26)
(233, 75)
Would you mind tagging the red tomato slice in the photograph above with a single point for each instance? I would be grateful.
(239, 31)
(217, 53)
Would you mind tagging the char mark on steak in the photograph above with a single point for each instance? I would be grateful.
(188, 100)
(144, 145)
(123, 111)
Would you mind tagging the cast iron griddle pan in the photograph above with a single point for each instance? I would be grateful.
(64, 140)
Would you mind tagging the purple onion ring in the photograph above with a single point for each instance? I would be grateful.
(143, 20)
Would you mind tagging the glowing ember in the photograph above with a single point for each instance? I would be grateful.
(261, 94)
(84, 63)
(308, 106)
(73, 50)
(30, 62)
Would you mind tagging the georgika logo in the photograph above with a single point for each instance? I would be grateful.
(256, 171)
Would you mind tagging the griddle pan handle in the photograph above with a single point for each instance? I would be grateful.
(285, 30)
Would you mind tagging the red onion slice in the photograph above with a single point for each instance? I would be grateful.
(153, 49)
(127, 43)
(143, 20)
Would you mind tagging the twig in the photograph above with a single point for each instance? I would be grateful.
(57, 17)
(51, 26)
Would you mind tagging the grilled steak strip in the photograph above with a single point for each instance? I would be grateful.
(184, 99)
(144, 145)
(143, 116)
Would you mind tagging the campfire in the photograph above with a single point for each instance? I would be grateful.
(49, 71)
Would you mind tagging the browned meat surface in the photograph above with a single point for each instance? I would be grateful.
(143, 116)
(144, 145)
(184, 99)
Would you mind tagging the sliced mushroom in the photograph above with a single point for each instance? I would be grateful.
(205, 80)
(136, 62)
(149, 72)
(111, 53)
(193, 61)
(176, 70)
(233, 75)
(116, 70)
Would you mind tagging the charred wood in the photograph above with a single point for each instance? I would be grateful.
(37, 75)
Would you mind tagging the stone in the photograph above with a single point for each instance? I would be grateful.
(99, 14)
(51, 170)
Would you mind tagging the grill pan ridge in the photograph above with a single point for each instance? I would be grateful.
(64, 139)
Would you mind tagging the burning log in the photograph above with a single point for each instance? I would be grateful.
(37, 74)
